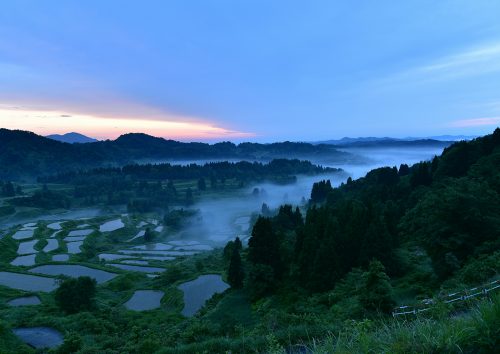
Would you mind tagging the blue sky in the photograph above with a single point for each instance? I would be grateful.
(251, 70)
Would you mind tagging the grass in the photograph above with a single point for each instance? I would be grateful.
(478, 331)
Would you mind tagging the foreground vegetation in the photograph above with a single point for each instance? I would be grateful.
(320, 278)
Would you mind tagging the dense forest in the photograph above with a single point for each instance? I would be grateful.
(149, 186)
(448, 207)
(399, 233)
(27, 155)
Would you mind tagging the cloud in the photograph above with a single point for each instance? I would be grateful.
(469, 62)
(476, 122)
(111, 127)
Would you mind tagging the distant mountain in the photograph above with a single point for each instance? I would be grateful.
(372, 142)
(439, 140)
(452, 137)
(25, 155)
(347, 140)
(72, 138)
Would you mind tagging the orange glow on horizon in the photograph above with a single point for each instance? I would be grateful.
(45, 122)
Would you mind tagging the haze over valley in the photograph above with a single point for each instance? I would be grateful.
(261, 177)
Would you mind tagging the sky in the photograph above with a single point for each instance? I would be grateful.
(251, 70)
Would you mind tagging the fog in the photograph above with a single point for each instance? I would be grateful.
(222, 219)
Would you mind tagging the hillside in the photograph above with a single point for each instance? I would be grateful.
(449, 208)
(323, 277)
(395, 237)
(27, 155)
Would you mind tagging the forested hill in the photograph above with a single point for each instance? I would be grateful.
(26, 155)
(428, 223)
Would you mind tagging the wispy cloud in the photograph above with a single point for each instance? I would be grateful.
(475, 122)
(469, 62)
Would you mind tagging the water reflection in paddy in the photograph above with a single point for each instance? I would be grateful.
(27, 247)
(60, 257)
(144, 300)
(24, 301)
(51, 245)
(198, 291)
(72, 270)
(27, 282)
(111, 225)
(133, 268)
(74, 247)
(28, 260)
(39, 337)
(23, 234)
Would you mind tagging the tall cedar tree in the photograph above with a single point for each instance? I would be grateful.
(235, 274)
(264, 246)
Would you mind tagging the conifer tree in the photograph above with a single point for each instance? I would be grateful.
(376, 294)
(235, 274)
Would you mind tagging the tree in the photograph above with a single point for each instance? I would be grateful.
(148, 235)
(75, 295)
(265, 211)
(72, 344)
(376, 294)
(453, 221)
(266, 266)
(8, 190)
(261, 280)
(201, 184)
(228, 251)
(213, 182)
(230, 247)
(264, 245)
(320, 191)
(237, 244)
(189, 197)
(173, 274)
(235, 274)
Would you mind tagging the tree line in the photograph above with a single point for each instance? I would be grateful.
(449, 207)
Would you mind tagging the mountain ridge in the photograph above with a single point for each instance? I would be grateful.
(27, 155)
(72, 138)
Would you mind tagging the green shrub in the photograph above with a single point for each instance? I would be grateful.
(75, 295)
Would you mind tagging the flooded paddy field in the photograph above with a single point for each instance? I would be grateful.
(131, 272)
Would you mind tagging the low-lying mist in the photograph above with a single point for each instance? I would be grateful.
(224, 218)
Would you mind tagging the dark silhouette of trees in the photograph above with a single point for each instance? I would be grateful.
(230, 247)
(201, 184)
(148, 235)
(376, 293)
(75, 295)
(264, 244)
(320, 191)
(453, 221)
(404, 170)
(264, 210)
(189, 197)
(8, 189)
(264, 257)
(235, 273)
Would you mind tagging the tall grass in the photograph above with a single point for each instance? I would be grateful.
(477, 331)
